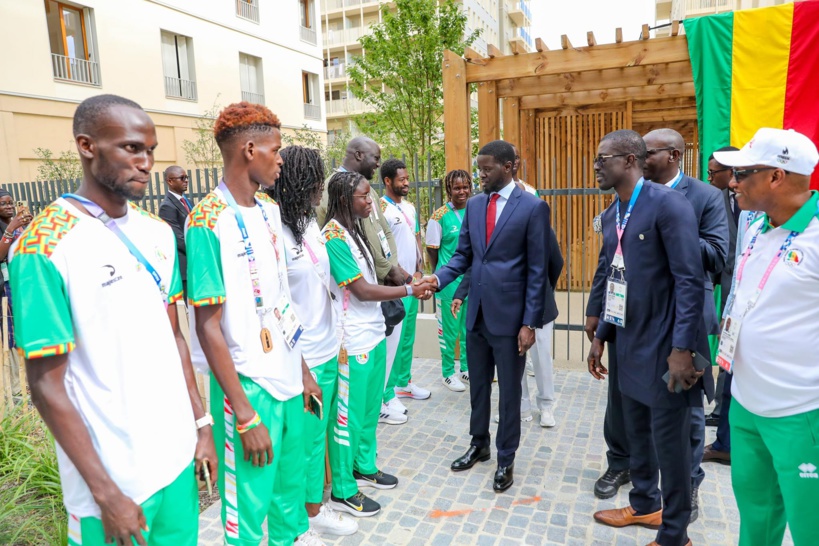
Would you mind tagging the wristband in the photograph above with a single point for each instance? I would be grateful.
(250, 425)
(409, 289)
(204, 421)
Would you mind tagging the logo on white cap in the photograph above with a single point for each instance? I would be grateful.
(779, 148)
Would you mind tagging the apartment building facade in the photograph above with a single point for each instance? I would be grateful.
(677, 10)
(344, 22)
(176, 58)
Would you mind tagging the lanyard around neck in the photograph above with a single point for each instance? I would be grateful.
(771, 266)
(410, 223)
(621, 228)
(455, 211)
(676, 180)
(96, 211)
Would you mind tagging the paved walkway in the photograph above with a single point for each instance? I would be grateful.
(551, 501)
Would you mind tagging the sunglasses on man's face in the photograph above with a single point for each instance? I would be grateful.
(742, 174)
(183, 178)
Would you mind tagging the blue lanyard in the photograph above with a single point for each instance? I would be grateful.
(410, 223)
(634, 195)
(676, 180)
(109, 222)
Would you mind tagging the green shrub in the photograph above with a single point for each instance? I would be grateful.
(31, 508)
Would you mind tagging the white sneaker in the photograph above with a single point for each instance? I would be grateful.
(330, 522)
(465, 376)
(525, 416)
(412, 391)
(453, 383)
(395, 406)
(310, 538)
(391, 418)
(547, 417)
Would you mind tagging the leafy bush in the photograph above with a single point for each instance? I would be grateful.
(31, 508)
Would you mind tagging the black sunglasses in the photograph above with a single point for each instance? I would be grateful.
(742, 174)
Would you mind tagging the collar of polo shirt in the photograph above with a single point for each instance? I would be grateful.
(800, 220)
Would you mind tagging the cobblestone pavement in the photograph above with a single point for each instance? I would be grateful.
(551, 501)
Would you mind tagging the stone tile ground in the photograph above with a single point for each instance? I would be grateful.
(551, 501)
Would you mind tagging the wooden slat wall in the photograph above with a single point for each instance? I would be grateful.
(565, 147)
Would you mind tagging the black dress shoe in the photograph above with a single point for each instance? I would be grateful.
(609, 483)
(472, 456)
(711, 420)
(503, 478)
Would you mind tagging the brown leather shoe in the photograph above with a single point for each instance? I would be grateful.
(622, 517)
(711, 455)
(655, 543)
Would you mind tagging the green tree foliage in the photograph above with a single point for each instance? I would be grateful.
(65, 167)
(332, 153)
(203, 151)
(405, 53)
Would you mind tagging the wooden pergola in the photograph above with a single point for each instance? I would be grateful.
(556, 105)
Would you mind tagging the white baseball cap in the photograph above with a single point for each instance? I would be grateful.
(783, 149)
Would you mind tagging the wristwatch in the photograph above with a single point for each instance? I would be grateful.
(681, 349)
(204, 421)
(532, 328)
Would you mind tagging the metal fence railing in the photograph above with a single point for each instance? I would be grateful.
(248, 10)
(255, 98)
(75, 70)
(177, 87)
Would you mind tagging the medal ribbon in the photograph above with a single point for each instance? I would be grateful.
(621, 228)
(97, 212)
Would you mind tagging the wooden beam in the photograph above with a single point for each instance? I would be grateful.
(488, 113)
(492, 51)
(457, 144)
(618, 35)
(511, 121)
(516, 47)
(583, 98)
(564, 42)
(665, 104)
(632, 76)
(540, 46)
(646, 33)
(470, 54)
(629, 118)
(528, 159)
(601, 57)
(590, 39)
(675, 27)
(665, 115)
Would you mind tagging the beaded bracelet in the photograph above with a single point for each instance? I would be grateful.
(250, 425)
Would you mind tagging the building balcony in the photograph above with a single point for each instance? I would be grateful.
(520, 43)
(682, 9)
(248, 10)
(347, 36)
(179, 88)
(256, 98)
(75, 70)
(331, 6)
(307, 35)
(335, 72)
(345, 107)
(312, 111)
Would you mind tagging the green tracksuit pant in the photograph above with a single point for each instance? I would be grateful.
(775, 474)
(172, 516)
(449, 329)
(401, 373)
(249, 493)
(354, 418)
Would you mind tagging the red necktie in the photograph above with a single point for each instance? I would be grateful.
(185, 204)
(490, 215)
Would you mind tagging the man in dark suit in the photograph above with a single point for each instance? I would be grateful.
(174, 209)
(504, 239)
(664, 153)
(720, 176)
(651, 252)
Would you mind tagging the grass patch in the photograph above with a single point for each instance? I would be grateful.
(31, 507)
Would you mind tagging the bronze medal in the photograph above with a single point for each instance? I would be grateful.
(267, 340)
(342, 356)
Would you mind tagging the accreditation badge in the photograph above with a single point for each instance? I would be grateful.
(728, 342)
(616, 292)
(287, 322)
(385, 244)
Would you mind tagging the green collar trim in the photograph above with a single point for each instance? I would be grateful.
(800, 220)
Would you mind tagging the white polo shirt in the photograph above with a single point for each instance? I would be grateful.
(775, 368)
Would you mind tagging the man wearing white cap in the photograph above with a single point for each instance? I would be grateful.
(770, 337)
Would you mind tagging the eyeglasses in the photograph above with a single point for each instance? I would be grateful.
(601, 159)
(742, 174)
(658, 150)
(715, 171)
(183, 178)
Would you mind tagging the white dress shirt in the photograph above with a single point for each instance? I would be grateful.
(504, 193)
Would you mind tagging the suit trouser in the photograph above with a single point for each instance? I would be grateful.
(487, 352)
(660, 444)
(775, 476)
(543, 367)
(723, 441)
(613, 428)
(697, 445)
(718, 394)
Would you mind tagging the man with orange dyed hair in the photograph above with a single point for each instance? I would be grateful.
(245, 331)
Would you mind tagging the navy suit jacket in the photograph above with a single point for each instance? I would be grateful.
(507, 283)
(727, 275)
(665, 299)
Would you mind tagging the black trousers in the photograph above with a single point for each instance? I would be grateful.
(486, 352)
(660, 442)
(613, 428)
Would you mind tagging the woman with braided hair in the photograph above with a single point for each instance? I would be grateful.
(362, 359)
(443, 230)
(297, 191)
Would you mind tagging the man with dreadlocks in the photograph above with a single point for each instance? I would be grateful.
(362, 359)
(246, 331)
(443, 230)
(297, 191)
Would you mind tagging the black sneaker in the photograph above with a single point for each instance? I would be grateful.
(379, 480)
(359, 505)
(608, 484)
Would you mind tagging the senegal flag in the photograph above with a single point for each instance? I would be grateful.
(755, 68)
